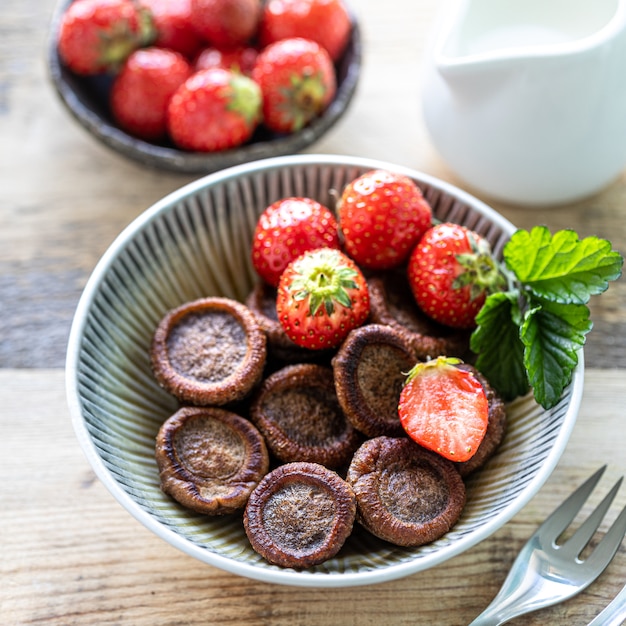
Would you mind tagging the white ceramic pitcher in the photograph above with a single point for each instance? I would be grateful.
(526, 99)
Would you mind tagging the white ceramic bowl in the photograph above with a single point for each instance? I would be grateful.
(195, 242)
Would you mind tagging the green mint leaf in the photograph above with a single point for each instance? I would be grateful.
(552, 335)
(497, 343)
(562, 268)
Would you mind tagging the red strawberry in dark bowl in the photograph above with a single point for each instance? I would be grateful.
(142, 90)
(214, 109)
(297, 80)
(174, 27)
(226, 23)
(325, 21)
(96, 36)
(239, 59)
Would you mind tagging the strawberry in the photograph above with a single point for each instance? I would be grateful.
(451, 271)
(325, 21)
(141, 91)
(226, 23)
(322, 295)
(297, 79)
(214, 109)
(174, 27)
(382, 215)
(240, 59)
(288, 228)
(444, 408)
(96, 36)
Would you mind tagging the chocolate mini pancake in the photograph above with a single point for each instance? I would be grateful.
(405, 494)
(297, 411)
(496, 426)
(370, 368)
(210, 459)
(262, 302)
(392, 303)
(300, 515)
(209, 352)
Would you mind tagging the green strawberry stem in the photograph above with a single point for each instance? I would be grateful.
(439, 363)
(481, 271)
(304, 98)
(117, 44)
(245, 98)
(322, 277)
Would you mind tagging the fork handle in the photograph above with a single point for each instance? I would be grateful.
(516, 597)
(501, 610)
(485, 620)
(490, 617)
(614, 614)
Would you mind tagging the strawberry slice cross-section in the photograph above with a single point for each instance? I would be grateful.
(444, 408)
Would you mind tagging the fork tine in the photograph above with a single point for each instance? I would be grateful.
(564, 515)
(609, 544)
(576, 543)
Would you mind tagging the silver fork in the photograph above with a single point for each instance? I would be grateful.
(544, 572)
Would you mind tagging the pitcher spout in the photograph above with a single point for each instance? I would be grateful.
(480, 32)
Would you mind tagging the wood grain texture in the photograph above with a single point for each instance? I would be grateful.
(71, 555)
(64, 197)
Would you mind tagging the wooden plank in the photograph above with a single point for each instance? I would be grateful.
(65, 197)
(72, 555)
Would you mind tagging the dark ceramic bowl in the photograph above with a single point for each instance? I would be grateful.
(86, 98)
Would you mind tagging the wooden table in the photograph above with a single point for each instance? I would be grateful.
(70, 553)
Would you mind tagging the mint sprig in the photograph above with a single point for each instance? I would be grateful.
(529, 336)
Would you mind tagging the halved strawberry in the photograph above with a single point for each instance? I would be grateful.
(322, 296)
(444, 408)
